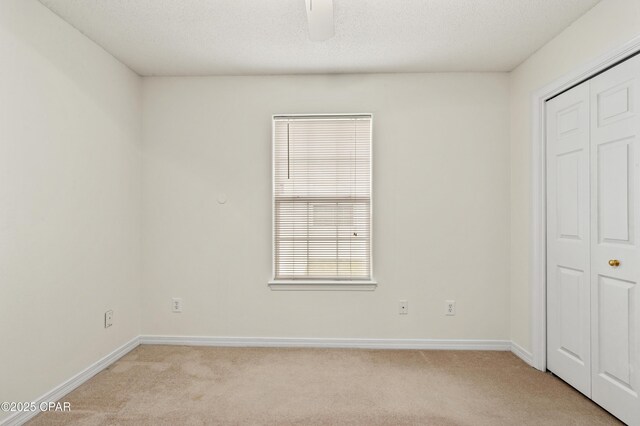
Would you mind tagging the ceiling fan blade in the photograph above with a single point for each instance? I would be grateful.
(320, 17)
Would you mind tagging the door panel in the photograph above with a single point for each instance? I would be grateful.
(616, 330)
(615, 128)
(613, 191)
(568, 290)
(570, 283)
(615, 104)
(568, 197)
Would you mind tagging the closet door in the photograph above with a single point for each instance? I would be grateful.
(568, 290)
(615, 253)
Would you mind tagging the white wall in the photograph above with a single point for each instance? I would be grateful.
(441, 206)
(69, 201)
(609, 24)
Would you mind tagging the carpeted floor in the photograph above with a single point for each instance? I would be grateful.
(177, 385)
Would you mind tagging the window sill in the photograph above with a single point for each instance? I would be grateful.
(323, 285)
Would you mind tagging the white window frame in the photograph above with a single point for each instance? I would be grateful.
(339, 285)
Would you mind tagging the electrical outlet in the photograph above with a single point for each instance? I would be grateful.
(403, 307)
(108, 319)
(450, 307)
(176, 304)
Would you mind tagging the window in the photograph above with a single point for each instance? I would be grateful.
(322, 198)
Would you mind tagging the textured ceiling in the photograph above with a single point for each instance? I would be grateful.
(208, 37)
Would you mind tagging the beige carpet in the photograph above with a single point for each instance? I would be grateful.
(176, 385)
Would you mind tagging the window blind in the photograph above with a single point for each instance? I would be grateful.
(322, 197)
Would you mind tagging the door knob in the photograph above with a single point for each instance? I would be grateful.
(614, 262)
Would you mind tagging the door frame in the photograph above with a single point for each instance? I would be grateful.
(538, 272)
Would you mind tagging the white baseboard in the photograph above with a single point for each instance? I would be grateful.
(522, 353)
(302, 342)
(63, 389)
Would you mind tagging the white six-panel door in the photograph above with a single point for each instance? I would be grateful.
(593, 238)
(615, 253)
(568, 276)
